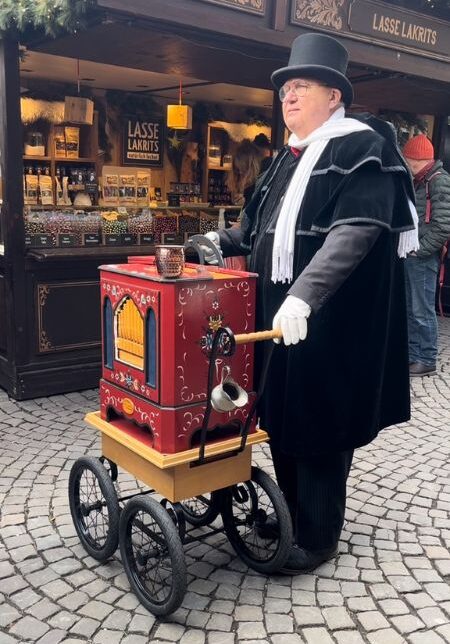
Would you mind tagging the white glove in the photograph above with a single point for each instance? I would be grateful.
(209, 256)
(291, 320)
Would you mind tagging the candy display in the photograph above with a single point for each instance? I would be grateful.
(164, 223)
(66, 224)
(37, 223)
(140, 223)
(207, 222)
(112, 223)
(62, 223)
(189, 222)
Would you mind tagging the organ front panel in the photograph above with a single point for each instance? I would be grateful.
(157, 335)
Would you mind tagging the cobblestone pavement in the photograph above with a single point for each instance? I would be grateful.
(389, 584)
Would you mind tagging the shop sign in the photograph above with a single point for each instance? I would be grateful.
(40, 241)
(380, 21)
(173, 238)
(387, 23)
(91, 239)
(129, 240)
(67, 240)
(143, 143)
(145, 238)
(253, 6)
(112, 240)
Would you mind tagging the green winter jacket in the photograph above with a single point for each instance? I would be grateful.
(433, 236)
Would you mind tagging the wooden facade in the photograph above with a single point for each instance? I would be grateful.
(49, 298)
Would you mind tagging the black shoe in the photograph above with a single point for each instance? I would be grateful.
(417, 370)
(301, 560)
(269, 529)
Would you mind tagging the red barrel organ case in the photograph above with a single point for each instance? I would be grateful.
(157, 337)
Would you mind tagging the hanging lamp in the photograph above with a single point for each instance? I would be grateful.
(78, 110)
(179, 117)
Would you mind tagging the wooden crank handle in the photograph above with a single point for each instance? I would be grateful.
(242, 338)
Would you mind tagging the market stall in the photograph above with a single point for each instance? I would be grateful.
(106, 175)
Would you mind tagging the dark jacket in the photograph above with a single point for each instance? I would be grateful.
(349, 378)
(433, 236)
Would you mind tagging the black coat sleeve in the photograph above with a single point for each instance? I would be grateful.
(230, 240)
(344, 248)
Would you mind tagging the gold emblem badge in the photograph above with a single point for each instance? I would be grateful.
(128, 406)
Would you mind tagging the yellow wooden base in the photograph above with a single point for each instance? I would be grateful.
(177, 476)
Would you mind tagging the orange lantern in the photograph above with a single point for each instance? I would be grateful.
(179, 117)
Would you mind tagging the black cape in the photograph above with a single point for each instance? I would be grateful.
(350, 377)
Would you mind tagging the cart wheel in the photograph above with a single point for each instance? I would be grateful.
(202, 510)
(110, 467)
(94, 507)
(246, 508)
(152, 555)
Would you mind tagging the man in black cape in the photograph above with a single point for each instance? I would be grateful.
(325, 230)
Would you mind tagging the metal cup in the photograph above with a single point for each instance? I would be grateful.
(169, 260)
(228, 395)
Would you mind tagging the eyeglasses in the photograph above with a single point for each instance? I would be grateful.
(298, 88)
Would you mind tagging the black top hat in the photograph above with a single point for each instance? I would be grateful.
(318, 57)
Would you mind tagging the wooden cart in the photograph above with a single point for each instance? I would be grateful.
(197, 485)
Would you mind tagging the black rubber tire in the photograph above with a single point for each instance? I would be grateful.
(91, 493)
(148, 537)
(244, 507)
(201, 510)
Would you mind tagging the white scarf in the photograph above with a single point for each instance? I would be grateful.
(284, 240)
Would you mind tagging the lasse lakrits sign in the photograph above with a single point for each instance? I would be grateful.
(143, 142)
(406, 28)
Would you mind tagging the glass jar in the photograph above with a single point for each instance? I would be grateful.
(34, 145)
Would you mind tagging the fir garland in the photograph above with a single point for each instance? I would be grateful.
(51, 16)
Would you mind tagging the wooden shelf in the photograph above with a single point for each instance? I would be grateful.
(27, 157)
(77, 160)
(39, 206)
(220, 168)
(97, 253)
(88, 148)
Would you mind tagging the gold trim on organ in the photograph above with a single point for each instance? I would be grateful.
(130, 334)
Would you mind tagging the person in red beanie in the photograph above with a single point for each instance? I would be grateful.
(432, 186)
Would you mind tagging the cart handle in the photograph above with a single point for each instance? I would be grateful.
(197, 241)
(273, 334)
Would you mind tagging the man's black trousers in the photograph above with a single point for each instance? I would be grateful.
(315, 491)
